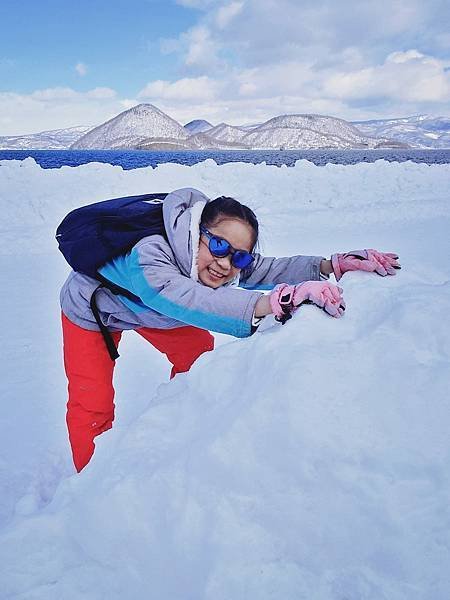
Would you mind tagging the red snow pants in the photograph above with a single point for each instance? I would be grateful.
(89, 370)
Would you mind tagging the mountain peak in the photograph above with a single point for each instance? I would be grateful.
(198, 126)
(143, 109)
(133, 127)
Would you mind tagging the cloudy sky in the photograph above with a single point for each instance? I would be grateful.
(64, 64)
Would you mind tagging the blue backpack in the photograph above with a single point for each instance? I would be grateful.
(92, 235)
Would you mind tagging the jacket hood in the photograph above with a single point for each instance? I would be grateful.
(182, 211)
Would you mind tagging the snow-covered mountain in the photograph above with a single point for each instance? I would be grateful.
(291, 132)
(56, 139)
(205, 141)
(250, 127)
(197, 126)
(147, 127)
(227, 133)
(419, 131)
(309, 131)
(284, 131)
(133, 127)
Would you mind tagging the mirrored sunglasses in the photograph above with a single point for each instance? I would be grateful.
(241, 259)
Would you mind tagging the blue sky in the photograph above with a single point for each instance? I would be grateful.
(65, 64)
(116, 40)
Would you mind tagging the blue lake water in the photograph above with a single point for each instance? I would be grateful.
(134, 159)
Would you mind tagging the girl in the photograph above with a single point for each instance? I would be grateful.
(184, 284)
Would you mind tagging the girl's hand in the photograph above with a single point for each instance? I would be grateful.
(383, 263)
(285, 299)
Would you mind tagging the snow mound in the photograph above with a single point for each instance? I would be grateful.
(299, 461)
(308, 461)
(366, 192)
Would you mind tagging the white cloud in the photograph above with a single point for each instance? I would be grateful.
(183, 90)
(242, 111)
(404, 76)
(69, 95)
(227, 13)
(288, 78)
(404, 57)
(202, 49)
(250, 60)
(101, 93)
(56, 108)
(404, 83)
(198, 50)
(265, 31)
(351, 58)
(52, 94)
(81, 69)
(127, 103)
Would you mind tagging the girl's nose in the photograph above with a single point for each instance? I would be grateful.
(224, 262)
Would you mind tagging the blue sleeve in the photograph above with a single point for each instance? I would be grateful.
(151, 274)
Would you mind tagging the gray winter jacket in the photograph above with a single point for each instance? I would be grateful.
(163, 275)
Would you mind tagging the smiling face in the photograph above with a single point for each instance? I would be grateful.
(212, 270)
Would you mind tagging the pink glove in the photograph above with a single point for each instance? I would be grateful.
(383, 263)
(285, 299)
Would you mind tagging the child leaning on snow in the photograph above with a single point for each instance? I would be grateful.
(184, 286)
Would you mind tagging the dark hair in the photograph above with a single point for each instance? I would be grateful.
(229, 207)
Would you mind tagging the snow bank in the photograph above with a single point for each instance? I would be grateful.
(33, 196)
(309, 461)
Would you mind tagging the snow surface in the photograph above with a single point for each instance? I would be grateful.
(310, 461)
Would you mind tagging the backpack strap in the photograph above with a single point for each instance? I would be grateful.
(112, 350)
(117, 290)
